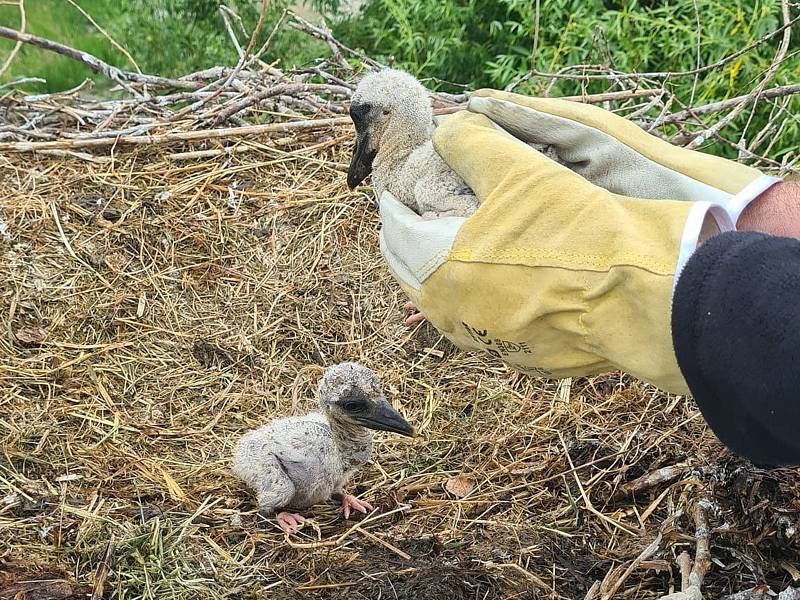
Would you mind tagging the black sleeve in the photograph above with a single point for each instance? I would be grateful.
(736, 334)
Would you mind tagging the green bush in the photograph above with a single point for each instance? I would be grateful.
(481, 43)
(56, 20)
(165, 37)
(449, 43)
(189, 35)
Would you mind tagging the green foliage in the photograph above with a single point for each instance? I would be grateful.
(56, 20)
(165, 37)
(449, 43)
(190, 35)
(488, 43)
(482, 43)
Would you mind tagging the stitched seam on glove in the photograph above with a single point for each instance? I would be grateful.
(573, 259)
(586, 339)
(429, 266)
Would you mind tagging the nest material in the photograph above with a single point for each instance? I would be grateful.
(161, 299)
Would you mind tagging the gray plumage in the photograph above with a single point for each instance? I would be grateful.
(394, 124)
(296, 462)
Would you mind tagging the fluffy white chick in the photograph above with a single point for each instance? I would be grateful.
(392, 113)
(296, 462)
(393, 117)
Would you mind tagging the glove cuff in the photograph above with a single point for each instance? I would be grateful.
(735, 329)
(691, 231)
(414, 247)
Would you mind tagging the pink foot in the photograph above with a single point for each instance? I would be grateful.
(415, 318)
(352, 503)
(290, 522)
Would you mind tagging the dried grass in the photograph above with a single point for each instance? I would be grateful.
(201, 312)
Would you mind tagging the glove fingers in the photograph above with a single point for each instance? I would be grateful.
(488, 158)
(595, 155)
(556, 122)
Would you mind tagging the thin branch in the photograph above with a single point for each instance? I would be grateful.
(335, 52)
(668, 74)
(272, 34)
(754, 95)
(776, 92)
(702, 555)
(179, 136)
(224, 11)
(535, 49)
(113, 138)
(105, 34)
(22, 81)
(303, 25)
(22, 25)
(650, 480)
(649, 551)
(95, 64)
(237, 69)
(284, 88)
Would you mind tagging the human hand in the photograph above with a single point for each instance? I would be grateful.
(617, 155)
(554, 275)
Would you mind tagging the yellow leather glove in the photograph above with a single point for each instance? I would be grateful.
(617, 155)
(555, 275)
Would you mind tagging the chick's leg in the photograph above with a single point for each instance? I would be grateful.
(290, 522)
(351, 503)
(415, 317)
(274, 490)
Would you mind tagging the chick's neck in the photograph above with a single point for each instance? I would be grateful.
(353, 441)
(398, 141)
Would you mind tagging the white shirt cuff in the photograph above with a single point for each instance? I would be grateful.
(736, 204)
(726, 213)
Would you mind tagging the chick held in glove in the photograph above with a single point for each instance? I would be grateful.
(296, 462)
(394, 124)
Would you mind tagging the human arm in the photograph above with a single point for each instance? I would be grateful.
(563, 272)
(776, 211)
(736, 334)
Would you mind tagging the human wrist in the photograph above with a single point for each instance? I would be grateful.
(776, 211)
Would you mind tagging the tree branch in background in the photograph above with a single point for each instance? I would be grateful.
(105, 34)
(96, 65)
(776, 92)
(223, 84)
(754, 95)
(302, 25)
(22, 25)
(286, 88)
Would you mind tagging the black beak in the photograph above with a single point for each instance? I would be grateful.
(385, 418)
(361, 163)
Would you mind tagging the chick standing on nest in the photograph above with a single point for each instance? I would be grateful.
(296, 462)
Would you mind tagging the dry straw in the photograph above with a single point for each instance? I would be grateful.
(179, 261)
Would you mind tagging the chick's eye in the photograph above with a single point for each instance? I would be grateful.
(386, 111)
(353, 406)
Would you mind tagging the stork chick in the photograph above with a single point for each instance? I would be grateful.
(296, 462)
(394, 124)
(393, 117)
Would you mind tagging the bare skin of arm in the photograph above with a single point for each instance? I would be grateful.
(776, 211)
